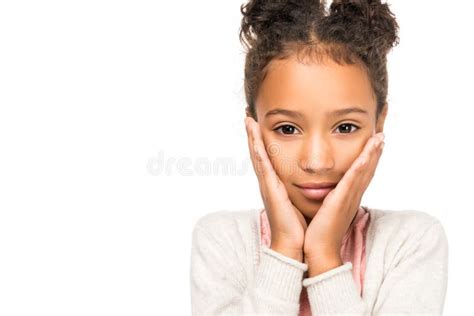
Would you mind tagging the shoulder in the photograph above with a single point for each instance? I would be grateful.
(232, 235)
(406, 227)
(223, 220)
(228, 227)
(402, 219)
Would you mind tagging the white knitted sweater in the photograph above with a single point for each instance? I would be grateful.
(231, 273)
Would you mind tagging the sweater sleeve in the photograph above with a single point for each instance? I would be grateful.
(220, 285)
(415, 285)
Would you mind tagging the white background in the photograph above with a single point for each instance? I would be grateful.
(97, 96)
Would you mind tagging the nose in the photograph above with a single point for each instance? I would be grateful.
(316, 155)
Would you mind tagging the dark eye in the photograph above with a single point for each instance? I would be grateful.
(286, 129)
(346, 127)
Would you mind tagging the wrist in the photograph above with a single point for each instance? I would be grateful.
(320, 264)
(290, 252)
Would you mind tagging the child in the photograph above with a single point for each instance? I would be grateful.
(313, 249)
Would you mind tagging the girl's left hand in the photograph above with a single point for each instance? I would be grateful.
(325, 233)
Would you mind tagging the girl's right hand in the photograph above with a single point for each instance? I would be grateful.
(287, 223)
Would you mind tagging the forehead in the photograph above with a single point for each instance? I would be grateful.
(314, 86)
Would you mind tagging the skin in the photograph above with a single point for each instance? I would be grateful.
(314, 147)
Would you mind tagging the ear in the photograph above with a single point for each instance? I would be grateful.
(381, 119)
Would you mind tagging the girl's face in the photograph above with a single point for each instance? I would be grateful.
(306, 139)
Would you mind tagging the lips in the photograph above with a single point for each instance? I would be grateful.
(314, 185)
(316, 191)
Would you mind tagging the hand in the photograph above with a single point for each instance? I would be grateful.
(325, 233)
(287, 223)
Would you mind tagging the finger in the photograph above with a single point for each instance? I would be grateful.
(250, 146)
(366, 171)
(257, 165)
(256, 155)
(346, 189)
(372, 166)
(267, 175)
(267, 172)
(254, 146)
(369, 152)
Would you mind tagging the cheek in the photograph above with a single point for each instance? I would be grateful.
(347, 153)
(283, 160)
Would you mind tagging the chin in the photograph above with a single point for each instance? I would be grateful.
(308, 208)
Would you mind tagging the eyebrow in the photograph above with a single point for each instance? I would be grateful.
(334, 113)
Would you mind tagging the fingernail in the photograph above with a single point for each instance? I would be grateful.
(378, 139)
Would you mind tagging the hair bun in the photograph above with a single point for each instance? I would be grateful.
(368, 25)
(264, 19)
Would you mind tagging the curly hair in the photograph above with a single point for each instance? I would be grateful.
(349, 32)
